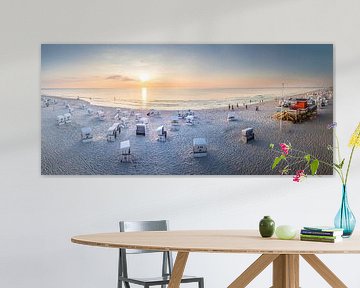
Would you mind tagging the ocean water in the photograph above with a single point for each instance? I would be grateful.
(173, 98)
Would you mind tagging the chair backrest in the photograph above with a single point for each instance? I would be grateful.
(139, 226)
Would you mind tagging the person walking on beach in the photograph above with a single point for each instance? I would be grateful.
(232, 107)
(229, 107)
(237, 105)
(246, 106)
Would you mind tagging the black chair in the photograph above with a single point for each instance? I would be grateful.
(167, 265)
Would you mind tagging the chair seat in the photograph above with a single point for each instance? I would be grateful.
(158, 280)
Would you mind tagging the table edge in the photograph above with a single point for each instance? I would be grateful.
(203, 250)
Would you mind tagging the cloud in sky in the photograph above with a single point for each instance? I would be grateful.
(120, 78)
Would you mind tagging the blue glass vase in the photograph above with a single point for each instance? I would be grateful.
(345, 219)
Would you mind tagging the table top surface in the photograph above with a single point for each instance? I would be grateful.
(216, 241)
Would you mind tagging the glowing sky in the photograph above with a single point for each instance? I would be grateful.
(186, 66)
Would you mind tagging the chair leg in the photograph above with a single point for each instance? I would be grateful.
(201, 283)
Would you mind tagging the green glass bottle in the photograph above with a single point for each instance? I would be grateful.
(266, 227)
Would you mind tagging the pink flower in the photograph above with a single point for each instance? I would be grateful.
(285, 148)
(300, 175)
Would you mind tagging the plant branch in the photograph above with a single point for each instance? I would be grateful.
(323, 162)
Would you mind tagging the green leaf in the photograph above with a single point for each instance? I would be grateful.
(277, 160)
(271, 146)
(339, 166)
(342, 163)
(314, 166)
(307, 158)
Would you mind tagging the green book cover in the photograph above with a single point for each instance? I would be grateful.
(323, 228)
(319, 236)
(339, 239)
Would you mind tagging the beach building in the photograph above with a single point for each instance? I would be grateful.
(247, 135)
(101, 115)
(199, 147)
(60, 120)
(140, 129)
(231, 116)
(67, 118)
(86, 134)
(162, 134)
(125, 150)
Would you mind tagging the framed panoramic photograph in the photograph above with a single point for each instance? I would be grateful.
(184, 109)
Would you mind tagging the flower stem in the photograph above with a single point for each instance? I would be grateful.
(348, 166)
(350, 159)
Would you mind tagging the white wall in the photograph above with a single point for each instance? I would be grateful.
(38, 215)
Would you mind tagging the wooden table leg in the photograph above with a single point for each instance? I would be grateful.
(253, 270)
(286, 271)
(324, 271)
(178, 269)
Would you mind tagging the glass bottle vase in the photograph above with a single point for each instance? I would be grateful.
(345, 219)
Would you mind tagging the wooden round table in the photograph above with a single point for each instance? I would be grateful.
(284, 254)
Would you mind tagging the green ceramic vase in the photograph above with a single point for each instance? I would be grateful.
(266, 227)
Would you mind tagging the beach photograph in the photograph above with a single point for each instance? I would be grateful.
(183, 109)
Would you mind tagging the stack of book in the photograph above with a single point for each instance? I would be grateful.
(321, 234)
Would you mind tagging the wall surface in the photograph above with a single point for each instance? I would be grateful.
(38, 215)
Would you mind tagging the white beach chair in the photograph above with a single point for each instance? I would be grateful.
(90, 111)
(162, 134)
(124, 122)
(137, 117)
(60, 120)
(125, 150)
(231, 117)
(101, 115)
(86, 134)
(140, 129)
(189, 120)
(247, 135)
(174, 124)
(144, 120)
(67, 118)
(199, 147)
(113, 132)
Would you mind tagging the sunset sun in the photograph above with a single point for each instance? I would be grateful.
(144, 77)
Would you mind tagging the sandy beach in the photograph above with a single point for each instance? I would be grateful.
(63, 152)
